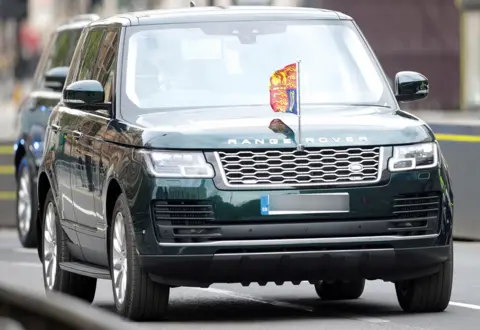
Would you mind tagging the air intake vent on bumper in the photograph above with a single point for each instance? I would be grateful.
(416, 214)
(184, 221)
(183, 213)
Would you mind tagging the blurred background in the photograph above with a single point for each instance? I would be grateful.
(438, 38)
(429, 36)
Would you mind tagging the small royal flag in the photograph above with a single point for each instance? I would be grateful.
(283, 89)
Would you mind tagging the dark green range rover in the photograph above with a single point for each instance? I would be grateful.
(165, 165)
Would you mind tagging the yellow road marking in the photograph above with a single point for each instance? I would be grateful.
(7, 169)
(458, 138)
(6, 150)
(8, 195)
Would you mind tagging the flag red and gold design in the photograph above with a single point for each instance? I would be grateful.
(283, 90)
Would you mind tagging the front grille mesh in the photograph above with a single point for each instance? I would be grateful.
(312, 166)
(183, 213)
(415, 214)
(417, 206)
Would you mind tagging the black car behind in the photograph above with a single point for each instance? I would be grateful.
(34, 111)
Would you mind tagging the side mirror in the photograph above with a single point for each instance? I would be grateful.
(410, 86)
(55, 78)
(84, 93)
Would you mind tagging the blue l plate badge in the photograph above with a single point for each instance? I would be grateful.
(283, 204)
(264, 205)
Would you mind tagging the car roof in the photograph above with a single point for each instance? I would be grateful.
(220, 13)
(77, 22)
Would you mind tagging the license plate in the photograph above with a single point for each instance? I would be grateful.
(304, 204)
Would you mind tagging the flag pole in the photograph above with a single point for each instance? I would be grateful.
(299, 113)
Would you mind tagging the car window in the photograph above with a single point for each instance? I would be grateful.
(63, 48)
(90, 54)
(77, 59)
(230, 63)
(40, 70)
(59, 53)
(105, 67)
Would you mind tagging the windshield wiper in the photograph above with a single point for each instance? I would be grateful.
(212, 106)
(198, 107)
(347, 104)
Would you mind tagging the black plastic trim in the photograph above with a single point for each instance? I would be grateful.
(86, 270)
(292, 266)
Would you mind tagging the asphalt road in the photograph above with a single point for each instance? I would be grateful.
(278, 307)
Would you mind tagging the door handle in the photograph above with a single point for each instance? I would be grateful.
(55, 127)
(77, 134)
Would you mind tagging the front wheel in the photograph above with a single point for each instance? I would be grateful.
(136, 296)
(55, 251)
(427, 294)
(26, 203)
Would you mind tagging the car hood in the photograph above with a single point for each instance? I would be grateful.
(259, 127)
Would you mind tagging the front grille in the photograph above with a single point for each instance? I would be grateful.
(315, 166)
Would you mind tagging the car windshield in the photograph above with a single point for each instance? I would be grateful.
(217, 64)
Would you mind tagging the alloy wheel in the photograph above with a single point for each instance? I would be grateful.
(119, 258)
(50, 247)
(24, 204)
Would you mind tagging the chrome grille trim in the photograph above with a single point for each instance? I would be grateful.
(247, 155)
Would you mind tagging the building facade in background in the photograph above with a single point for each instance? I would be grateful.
(418, 35)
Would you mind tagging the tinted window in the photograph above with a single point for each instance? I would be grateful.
(59, 52)
(77, 59)
(40, 71)
(62, 50)
(105, 67)
(90, 54)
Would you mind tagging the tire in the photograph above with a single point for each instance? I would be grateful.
(430, 294)
(142, 299)
(75, 285)
(339, 290)
(26, 205)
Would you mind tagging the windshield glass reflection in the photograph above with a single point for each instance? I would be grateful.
(230, 63)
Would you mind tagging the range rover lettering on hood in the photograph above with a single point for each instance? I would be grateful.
(348, 139)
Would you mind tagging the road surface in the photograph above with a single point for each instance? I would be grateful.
(7, 181)
(278, 307)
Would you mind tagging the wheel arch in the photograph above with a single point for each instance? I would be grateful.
(23, 150)
(20, 152)
(43, 187)
(114, 190)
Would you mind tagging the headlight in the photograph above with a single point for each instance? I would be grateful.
(177, 164)
(416, 156)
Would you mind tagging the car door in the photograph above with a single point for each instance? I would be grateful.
(86, 190)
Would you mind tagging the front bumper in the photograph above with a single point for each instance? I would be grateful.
(388, 264)
(380, 238)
